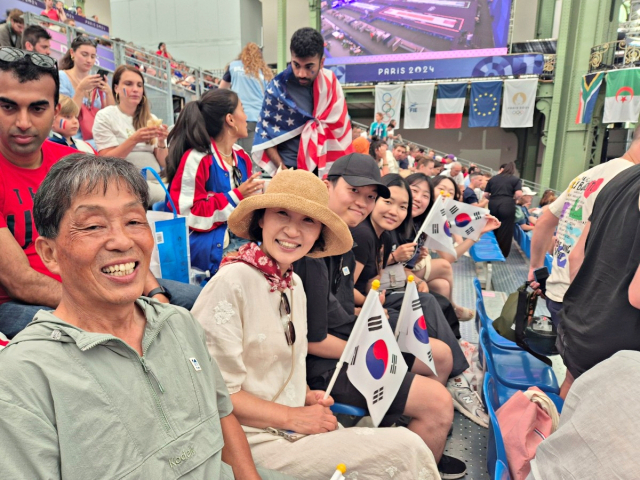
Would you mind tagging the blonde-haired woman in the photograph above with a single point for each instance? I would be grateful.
(248, 76)
(129, 130)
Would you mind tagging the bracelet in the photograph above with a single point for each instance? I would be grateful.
(394, 258)
(161, 148)
(385, 164)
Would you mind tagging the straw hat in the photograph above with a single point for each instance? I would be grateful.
(302, 192)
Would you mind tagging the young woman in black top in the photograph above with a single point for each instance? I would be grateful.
(502, 191)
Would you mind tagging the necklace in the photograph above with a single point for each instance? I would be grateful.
(228, 155)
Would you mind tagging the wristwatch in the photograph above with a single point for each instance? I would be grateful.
(159, 290)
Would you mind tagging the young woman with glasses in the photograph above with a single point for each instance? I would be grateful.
(254, 313)
(76, 80)
(209, 174)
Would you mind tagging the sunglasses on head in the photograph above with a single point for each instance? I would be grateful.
(11, 54)
(285, 309)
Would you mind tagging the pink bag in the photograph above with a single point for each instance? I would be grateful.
(526, 419)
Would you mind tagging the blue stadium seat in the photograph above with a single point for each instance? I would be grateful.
(502, 471)
(159, 206)
(495, 445)
(486, 323)
(548, 262)
(517, 368)
(485, 251)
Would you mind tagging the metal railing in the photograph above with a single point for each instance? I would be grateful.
(608, 56)
(536, 187)
(161, 83)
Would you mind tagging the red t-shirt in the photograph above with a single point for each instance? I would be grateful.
(52, 14)
(18, 186)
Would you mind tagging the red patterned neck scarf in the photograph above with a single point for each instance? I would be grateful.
(251, 254)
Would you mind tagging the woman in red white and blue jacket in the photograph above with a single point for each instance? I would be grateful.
(209, 174)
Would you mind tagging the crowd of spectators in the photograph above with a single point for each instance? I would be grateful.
(298, 255)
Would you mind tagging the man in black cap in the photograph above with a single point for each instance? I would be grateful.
(354, 183)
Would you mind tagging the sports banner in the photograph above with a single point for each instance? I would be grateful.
(484, 104)
(589, 89)
(411, 331)
(622, 103)
(388, 102)
(418, 98)
(519, 103)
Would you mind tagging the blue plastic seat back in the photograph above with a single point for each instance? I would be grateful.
(502, 471)
(548, 262)
(495, 446)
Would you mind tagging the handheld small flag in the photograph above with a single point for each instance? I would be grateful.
(376, 366)
(339, 473)
(435, 232)
(411, 331)
(464, 219)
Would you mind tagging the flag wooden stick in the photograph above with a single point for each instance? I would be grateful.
(373, 296)
(410, 279)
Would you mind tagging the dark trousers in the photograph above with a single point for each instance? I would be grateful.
(504, 209)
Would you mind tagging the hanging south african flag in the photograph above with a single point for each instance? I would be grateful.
(484, 104)
(589, 89)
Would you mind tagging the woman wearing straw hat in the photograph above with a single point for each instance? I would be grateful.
(254, 314)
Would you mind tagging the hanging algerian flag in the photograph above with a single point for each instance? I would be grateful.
(376, 366)
(589, 89)
(622, 102)
(484, 104)
(464, 219)
(450, 105)
(411, 331)
(435, 232)
(519, 102)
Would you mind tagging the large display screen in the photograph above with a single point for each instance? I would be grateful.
(370, 31)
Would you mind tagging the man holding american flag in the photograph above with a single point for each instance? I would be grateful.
(303, 122)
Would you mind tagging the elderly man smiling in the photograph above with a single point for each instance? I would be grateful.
(110, 384)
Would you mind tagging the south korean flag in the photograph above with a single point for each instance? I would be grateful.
(411, 330)
(465, 220)
(376, 367)
(435, 232)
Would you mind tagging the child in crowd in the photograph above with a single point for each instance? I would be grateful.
(66, 125)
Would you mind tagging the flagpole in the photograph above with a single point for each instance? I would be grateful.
(371, 297)
(410, 279)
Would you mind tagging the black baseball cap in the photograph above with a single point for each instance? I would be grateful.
(359, 170)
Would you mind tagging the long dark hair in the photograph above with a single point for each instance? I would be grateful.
(394, 180)
(437, 179)
(412, 180)
(509, 169)
(200, 121)
(66, 62)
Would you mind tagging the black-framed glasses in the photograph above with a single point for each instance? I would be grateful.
(285, 309)
(11, 54)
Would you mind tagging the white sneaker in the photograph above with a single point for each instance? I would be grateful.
(466, 401)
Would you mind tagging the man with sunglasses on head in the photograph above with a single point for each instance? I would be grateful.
(354, 183)
(29, 91)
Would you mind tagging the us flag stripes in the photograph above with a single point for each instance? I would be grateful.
(325, 133)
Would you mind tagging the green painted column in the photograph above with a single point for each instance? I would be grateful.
(314, 14)
(282, 35)
(544, 27)
(568, 146)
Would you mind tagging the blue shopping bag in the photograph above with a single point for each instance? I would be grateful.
(171, 236)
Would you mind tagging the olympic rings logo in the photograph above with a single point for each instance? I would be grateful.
(388, 105)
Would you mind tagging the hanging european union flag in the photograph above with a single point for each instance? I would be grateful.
(484, 104)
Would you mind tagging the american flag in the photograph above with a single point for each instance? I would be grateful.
(325, 136)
